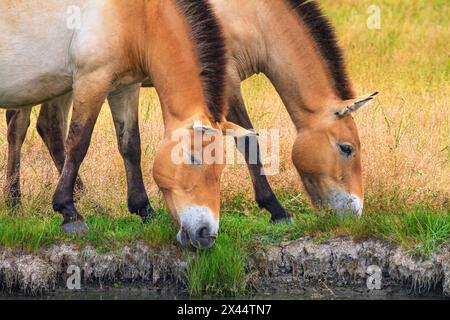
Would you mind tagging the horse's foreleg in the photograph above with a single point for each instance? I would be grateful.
(18, 122)
(124, 107)
(52, 127)
(265, 196)
(89, 95)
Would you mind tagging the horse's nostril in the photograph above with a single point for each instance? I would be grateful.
(203, 233)
(203, 239)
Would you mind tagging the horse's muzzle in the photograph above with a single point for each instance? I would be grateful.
(344, 204)
(198, 228)
(202, 239)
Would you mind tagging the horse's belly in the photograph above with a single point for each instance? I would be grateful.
(27, 91)
(26, 79)
(34, 52)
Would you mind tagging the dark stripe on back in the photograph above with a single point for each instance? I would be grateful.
(325, 37)
(210, 43)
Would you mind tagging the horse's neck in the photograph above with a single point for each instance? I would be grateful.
(295, 66)
(173, 66)
(288, 55)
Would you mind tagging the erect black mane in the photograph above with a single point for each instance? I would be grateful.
(325, 37)
(210, 44)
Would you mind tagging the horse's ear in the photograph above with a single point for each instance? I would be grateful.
(234, 130)
(355, 104)
(199, 126)
(228, 129)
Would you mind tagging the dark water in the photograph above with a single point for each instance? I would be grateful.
(143, 294)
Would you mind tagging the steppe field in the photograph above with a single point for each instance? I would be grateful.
(405, 137)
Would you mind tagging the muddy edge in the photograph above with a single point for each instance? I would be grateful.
(293, 266)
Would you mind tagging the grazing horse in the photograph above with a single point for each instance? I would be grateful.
(178, 44)
(295, 46)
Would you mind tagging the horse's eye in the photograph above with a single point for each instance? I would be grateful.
(346, 149)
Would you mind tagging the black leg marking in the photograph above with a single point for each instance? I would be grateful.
(264, 194)
(124, 107)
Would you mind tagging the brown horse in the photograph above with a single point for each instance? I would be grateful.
(295, 46)
(178, 44)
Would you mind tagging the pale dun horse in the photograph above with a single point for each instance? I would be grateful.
(295, 46)
(178, 44)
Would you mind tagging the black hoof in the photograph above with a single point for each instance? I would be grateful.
(278, 213)
(146, 214)
(286, 219)
(78, 228)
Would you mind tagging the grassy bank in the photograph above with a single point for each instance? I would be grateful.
(405, 139)
(244, 228)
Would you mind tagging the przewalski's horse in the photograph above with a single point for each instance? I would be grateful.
(295, 46)
(175, 43)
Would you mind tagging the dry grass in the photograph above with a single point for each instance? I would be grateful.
(405, 134)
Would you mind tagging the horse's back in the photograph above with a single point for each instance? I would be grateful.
(35, 48)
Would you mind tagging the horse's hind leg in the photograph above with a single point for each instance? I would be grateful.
(52, 127)
(18, 122)
(124, 106)
(265, 196)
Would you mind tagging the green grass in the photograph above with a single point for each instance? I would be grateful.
(32, 231)
(244, 228)
(420, 230)
(220, 271)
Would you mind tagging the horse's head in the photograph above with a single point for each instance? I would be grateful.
(327, 154)
(187, 169)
